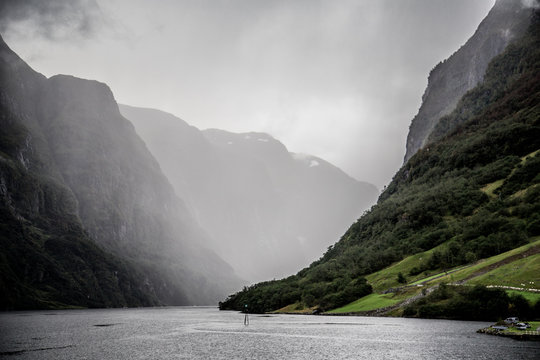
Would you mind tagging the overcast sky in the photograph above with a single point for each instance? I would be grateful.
(339, 79)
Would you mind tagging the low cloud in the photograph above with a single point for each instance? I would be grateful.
(337, 79)
(54, 20)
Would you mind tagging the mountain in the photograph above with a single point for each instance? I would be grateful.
(269, 211)
(452, 78)
(85, 206)
(463, 210)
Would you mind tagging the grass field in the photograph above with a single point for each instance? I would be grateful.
(531, 155)
(296, 308)
(483, 265)
(531, 297)
(524, 271)
(438, 274)
(490, 188)
(367, 303)
(377, 301)
(387, 277)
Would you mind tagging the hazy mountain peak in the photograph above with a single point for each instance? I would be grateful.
(88, 95)
(252, 195)
(223, 137)
(165, 118)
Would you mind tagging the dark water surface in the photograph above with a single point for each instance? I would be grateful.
(206, 333)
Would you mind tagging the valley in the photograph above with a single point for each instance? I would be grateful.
(111, 205)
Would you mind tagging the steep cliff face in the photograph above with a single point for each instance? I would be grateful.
(269, 211)
(452, 78)
(112, 187)
(46, 257)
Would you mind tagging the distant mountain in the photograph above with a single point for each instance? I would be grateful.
(88, 218)
(463, 210)
(268, 211)
(452, 78)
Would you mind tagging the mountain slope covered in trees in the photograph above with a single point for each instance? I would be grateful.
(471, 194)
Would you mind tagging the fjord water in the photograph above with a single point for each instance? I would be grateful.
(206, 333)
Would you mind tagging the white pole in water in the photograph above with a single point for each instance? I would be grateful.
(246, 317)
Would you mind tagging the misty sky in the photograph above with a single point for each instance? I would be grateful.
(339, 79)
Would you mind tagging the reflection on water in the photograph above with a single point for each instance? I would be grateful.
(206, 333)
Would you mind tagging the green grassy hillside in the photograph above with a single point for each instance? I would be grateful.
(518, 268)
(471, 195)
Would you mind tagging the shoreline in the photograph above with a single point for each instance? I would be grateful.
(525, 336)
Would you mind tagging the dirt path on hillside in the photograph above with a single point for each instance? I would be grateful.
(532, 251)
(427, 290)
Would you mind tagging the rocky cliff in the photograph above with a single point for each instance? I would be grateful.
(68, 133)
(452, 78)
(268, 211)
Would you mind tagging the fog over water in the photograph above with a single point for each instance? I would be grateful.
(337, 79)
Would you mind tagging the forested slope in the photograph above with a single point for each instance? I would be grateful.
(474, 193)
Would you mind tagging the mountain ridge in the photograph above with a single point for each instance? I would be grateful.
(251, 193)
